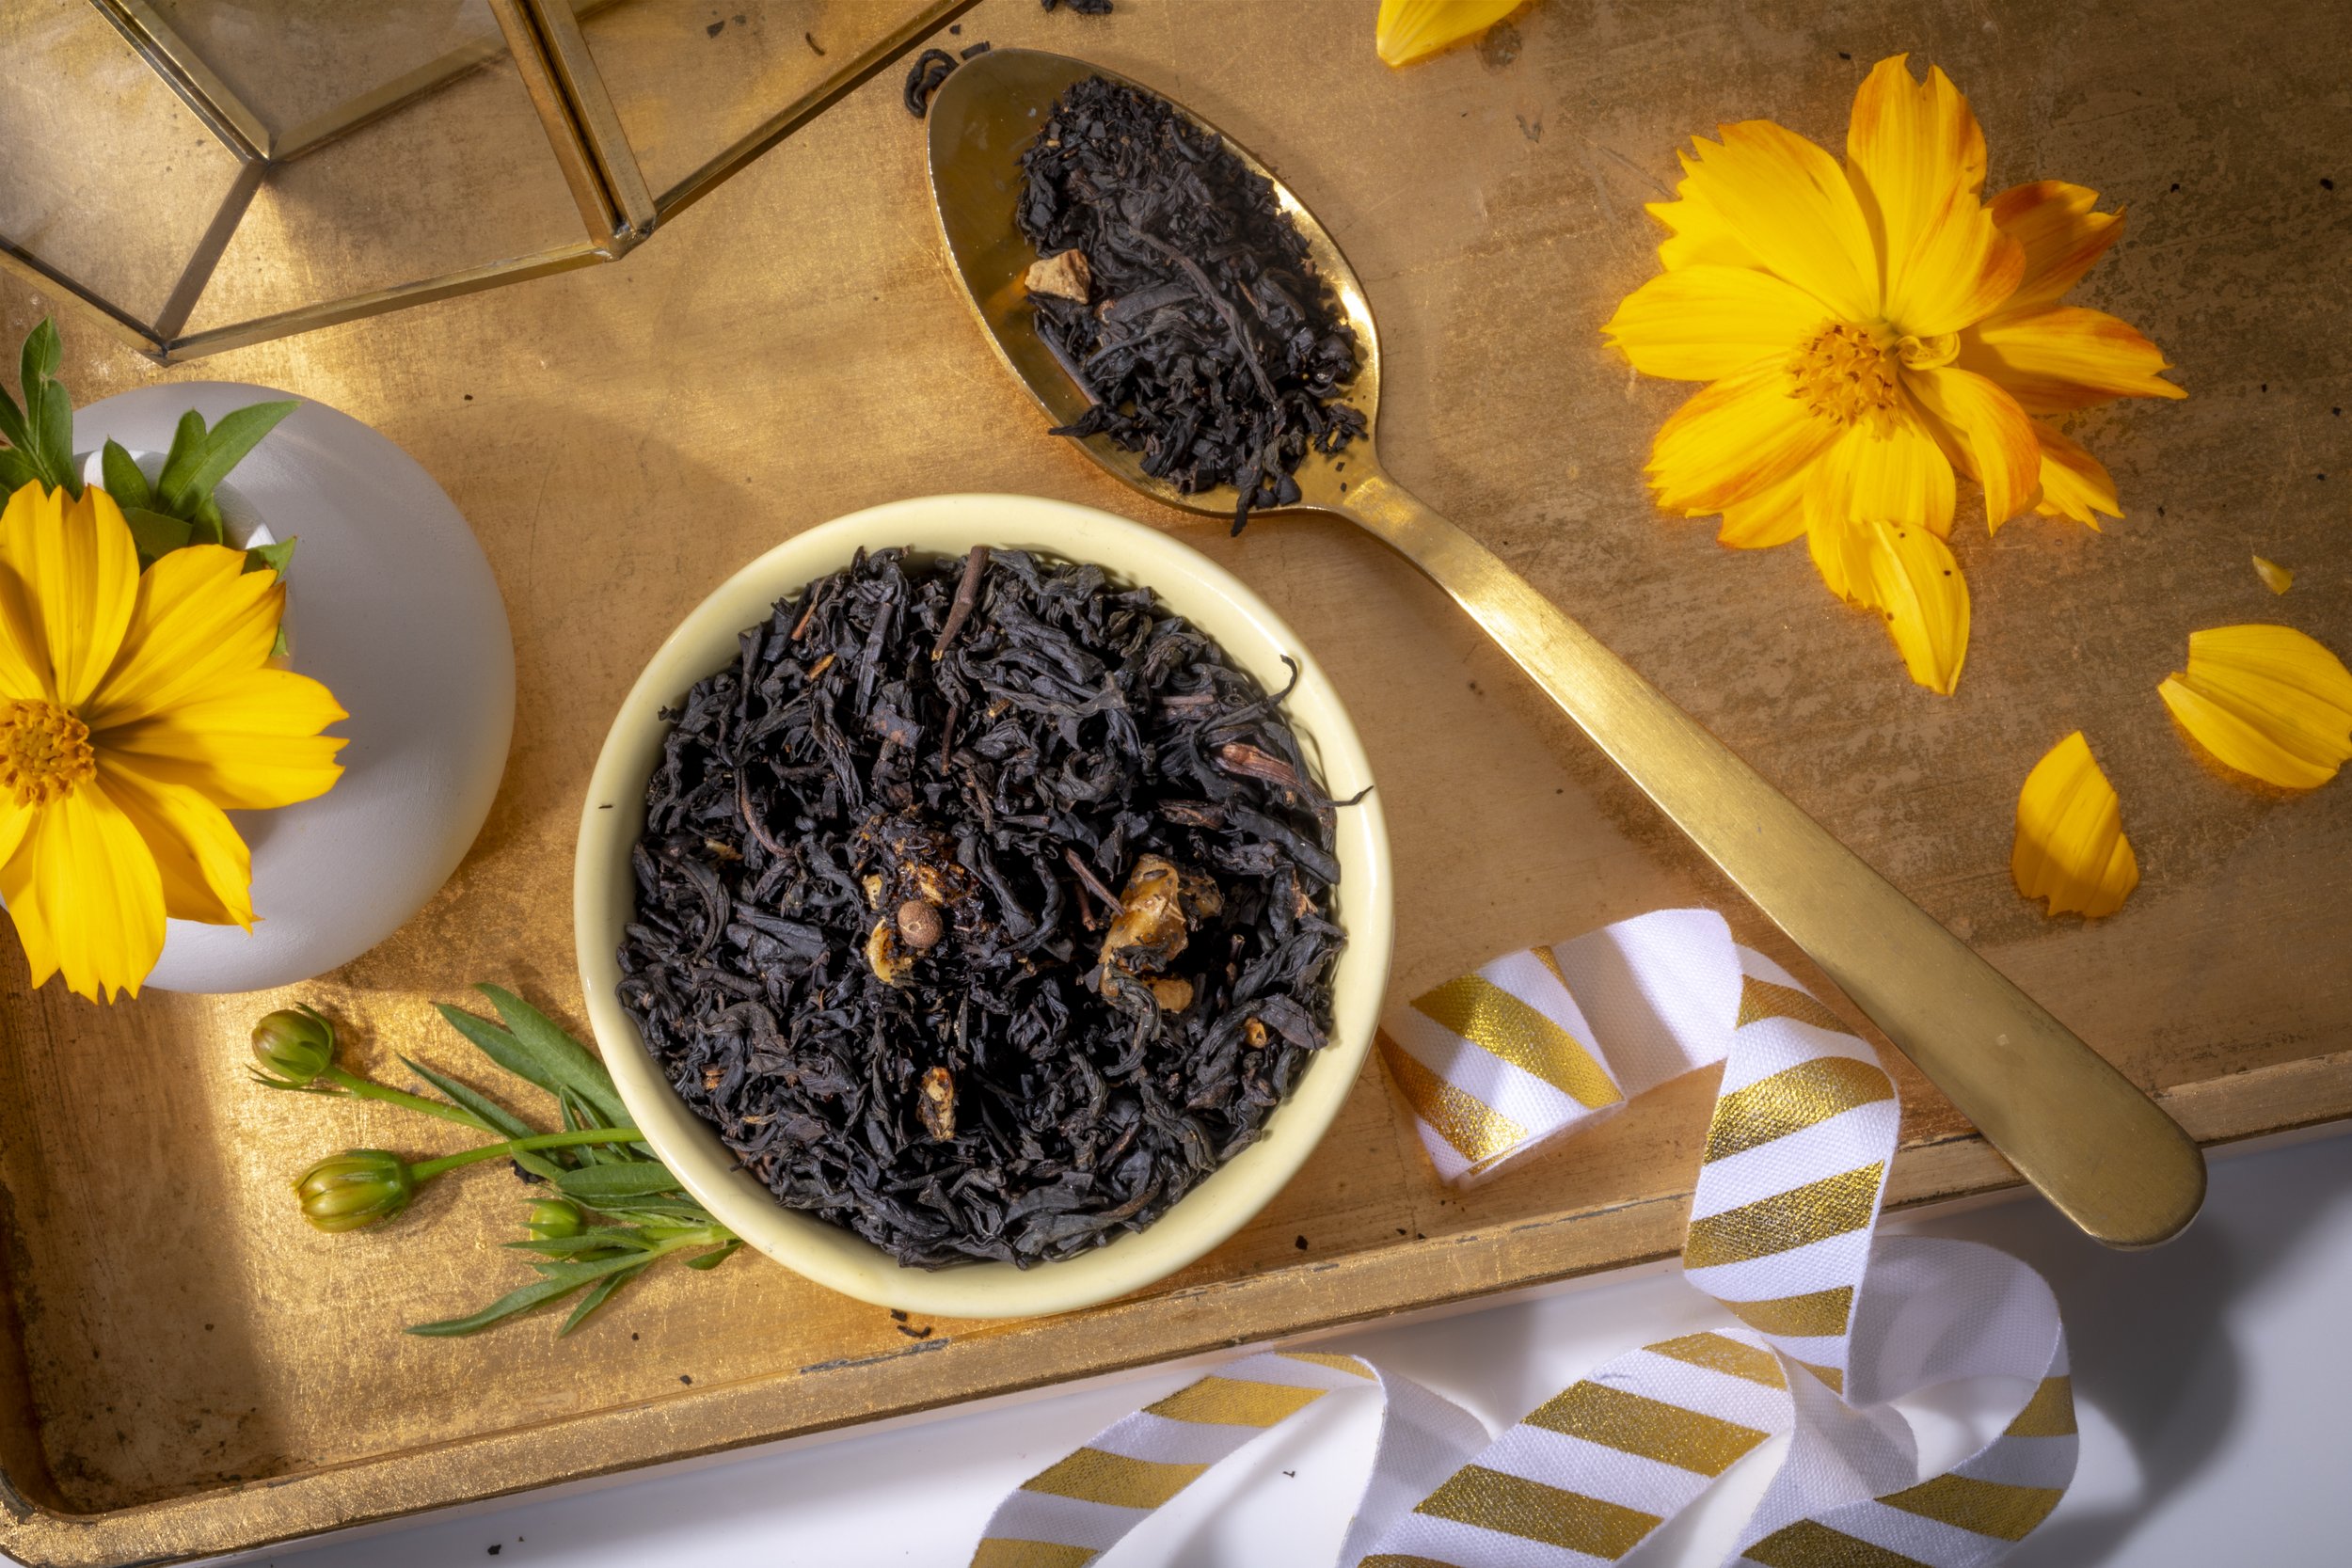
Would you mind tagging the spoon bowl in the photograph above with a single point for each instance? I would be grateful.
(2073, 1126)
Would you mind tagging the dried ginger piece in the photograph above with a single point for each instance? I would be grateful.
(1064, 275)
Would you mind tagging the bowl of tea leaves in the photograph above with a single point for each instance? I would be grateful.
(982, 905)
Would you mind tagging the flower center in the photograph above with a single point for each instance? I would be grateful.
(1843, 375)
(44, 753)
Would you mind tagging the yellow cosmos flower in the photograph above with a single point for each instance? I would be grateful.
(2265, 701)
(135, 709)
(2071, 850)
(1868, 329)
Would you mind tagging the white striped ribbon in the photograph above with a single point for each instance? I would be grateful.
(1837, 1323)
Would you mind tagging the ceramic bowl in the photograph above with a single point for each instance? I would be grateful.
(604, 893)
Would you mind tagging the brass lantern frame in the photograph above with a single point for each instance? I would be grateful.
(618, 209)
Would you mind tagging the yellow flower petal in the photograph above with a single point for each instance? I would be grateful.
(2074, 483)
(1734, 440)
(1909, 576)
(69, 571)
(86, 897)
(1408, 29)
(1915, 157)
(1792, 208)
(1899, 475)
(2275, 576)
(2065, 357)
(1995, 436)
(2061, 235)
(248, 745)
(1704, 322)
(2266, 700)
(201, 619)
(1772, 515)
(207, 871)
(2071, 850)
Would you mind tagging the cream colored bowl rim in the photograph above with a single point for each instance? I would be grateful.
(1191, 585)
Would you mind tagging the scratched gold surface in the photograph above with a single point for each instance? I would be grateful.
(187, 1368)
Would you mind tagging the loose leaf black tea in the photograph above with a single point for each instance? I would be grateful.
(983, 907)
(1192, 317)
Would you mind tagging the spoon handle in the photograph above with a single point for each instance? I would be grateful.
(2073, 1125)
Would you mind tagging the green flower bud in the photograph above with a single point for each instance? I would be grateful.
(357, 1187)
(295, 1046)
(552, 1220)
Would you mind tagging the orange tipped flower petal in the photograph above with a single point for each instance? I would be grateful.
(1734, 440)
(1993, 435)
(2275, 576)
(2061, 235)
(2265, 701)
(2074, 483)
(1909, 576)
(1408, 29)
(2066, 358)
(2071, 850)
(1703, 322)
(1902, 475)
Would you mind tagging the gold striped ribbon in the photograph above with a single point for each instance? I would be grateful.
(1834, 1321)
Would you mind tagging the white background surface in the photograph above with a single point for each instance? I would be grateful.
(2211, 1376)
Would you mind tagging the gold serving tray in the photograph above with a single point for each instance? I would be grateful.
(186, 1369)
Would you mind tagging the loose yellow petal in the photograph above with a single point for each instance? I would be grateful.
(2061, 235)
(1705, 323)
(1733, 441)
(2265, 701)
(1993, 434)
(2074, 483)
(201, 619)
(1909, 576)
(1792, 208)
(86, 897)
(69, 571)
(1899, 475)
(250, 745)
(1408, 29)
(2071, 850)
(2066, 358)
(1915, 156)
(2275, 576)
(207, 871)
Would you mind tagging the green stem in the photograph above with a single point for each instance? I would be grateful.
(425, 1170)
(367, 1089)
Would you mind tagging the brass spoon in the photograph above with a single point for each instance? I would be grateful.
(2074, 1127)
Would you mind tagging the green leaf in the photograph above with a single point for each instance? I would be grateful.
(56, 439)
(715, 1257)
(521, 1300)
(270, 558)
(222, 449)
(658, 1210)
(598, 1294)
(185, 437)
(638, 1178)
(16, 469)
(42, 354)
(583, 1272)
(124, 481)
(48, 411)
(587, 1241)
(155, 534)
(569, 1063)
(13, 423)
(492, 1117)
(206, 519)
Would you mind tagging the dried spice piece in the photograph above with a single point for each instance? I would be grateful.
(1080, 8)
(1210, 344)
(1409, 29)
(932, 67)
(2266, 700)
(1023, 922)
(2071, 850)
